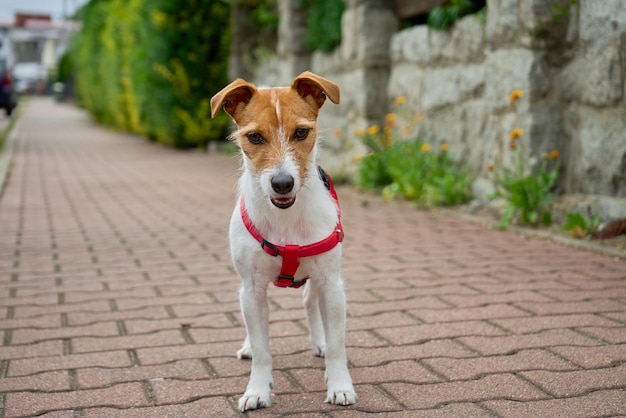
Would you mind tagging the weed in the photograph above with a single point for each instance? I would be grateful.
(527, 192)
(579, 226)
(401, 166)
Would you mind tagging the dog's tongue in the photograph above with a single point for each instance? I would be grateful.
(283, 202)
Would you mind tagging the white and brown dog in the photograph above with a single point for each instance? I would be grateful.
(286, 227)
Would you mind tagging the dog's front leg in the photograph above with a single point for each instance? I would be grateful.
(256, 316)
(340, 390)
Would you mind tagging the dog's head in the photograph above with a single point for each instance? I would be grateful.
(277, 130)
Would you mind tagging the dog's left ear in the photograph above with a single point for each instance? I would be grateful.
(230, 97)
(309, 84)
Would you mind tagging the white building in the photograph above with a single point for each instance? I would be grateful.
(31, 47)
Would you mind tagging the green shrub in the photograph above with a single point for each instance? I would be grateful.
(150, 66)
(442, 17)
(399, 166)
(580, 226)
(64, 70)
(324, 24)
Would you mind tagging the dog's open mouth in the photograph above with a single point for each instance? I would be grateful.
(283, 202)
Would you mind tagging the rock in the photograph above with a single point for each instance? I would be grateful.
(502, 23)
(452, 85)
(597, 77)
(601, 19)
(483, 189)
(598, 162)
(411, 45)
(511, 69)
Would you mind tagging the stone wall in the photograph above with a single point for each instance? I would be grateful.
(571, 66)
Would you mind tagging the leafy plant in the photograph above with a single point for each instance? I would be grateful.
(579, 226)
(527, 193)
(323, 31)
(150, 66)
(442, 17)
(399, 166)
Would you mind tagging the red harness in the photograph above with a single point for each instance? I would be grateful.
(291, 253)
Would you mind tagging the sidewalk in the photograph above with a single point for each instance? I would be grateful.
(117, 298)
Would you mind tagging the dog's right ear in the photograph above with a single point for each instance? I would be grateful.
(230, 97)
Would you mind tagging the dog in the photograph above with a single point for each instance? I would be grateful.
(286, 226)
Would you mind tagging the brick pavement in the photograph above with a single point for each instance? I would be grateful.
(117, 298)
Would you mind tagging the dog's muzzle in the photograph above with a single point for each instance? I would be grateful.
(283, 185)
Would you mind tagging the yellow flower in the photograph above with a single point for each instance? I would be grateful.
(516, 94)
(424, 148)
(490, 167)
(516, 133)
(373, 130)
(390, 119)
(419, 117)
(554, 154)
(360, 132)
(400, 100)
(357, 158)
(444, 148)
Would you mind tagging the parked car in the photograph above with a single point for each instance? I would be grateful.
(8, 94)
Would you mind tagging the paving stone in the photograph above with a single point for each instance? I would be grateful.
(474, 313)
(509, 344)
(90, 344)
(98, 376)
(446, 411)
(593, 357)
(565, 384)
(45, 382)
(545, 322)
(490, 387)
(426, 332)
(30, 335)
(211, 407)
(33, 403)
(28, 366)
(601, 403)
(474, 368)
(43, 348)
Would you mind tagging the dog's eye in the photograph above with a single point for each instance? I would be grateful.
(301, 134)
(255, 138)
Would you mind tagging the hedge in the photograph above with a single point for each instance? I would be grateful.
(151, 66)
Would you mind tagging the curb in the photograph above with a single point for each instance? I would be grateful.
(6, 156)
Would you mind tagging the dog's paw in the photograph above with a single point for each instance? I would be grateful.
(319, 350)
(341, 397)
(254, 400)
(244, 353)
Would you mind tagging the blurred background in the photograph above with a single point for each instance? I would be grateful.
(491, 83)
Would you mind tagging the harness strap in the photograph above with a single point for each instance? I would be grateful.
(292, 252)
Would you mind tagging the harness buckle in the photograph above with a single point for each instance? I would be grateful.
(289, 281)
(274, 252)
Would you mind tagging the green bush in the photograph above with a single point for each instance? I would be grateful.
(580, 226)
(399, 166)
(442, 17)
(324, 24)
(64, 70)
(151, 66)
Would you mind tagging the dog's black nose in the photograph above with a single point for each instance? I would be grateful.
(282, 183)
